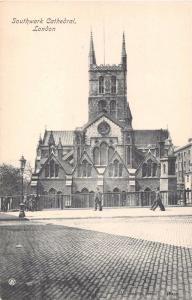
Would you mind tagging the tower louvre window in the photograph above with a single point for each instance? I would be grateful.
(113, 108)
(102, 106)
(101, 85)
(113, 85)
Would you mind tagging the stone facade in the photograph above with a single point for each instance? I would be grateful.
(106, 151)
(184, 166)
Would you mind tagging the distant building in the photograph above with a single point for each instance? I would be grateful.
(184, 165)
(106, 151)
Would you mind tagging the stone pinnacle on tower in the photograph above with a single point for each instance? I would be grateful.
(92, 59)
(124, 54)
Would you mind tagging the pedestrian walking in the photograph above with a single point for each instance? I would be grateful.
(98, 199)
(157, 202)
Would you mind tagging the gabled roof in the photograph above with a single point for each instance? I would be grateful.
(148, 155)
(67, 167)
(100, 116)
(116, 155)
(87, 157)
(64, 137)
(150, 137)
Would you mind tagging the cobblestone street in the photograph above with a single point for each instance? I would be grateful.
(44, 261)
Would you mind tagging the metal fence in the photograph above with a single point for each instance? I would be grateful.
(86, 200)
(9, 203)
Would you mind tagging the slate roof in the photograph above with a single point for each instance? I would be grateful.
(66, 137)
(152, 137)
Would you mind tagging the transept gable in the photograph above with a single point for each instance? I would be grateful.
(101, 115)
(103, 127)
(62, 164)
(150, 155)
(85, 167)
(85, 156)
(149, 166)
(116, 167)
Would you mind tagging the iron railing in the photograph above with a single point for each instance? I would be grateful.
(86, 200)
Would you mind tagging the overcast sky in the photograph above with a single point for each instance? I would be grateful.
(44, 75)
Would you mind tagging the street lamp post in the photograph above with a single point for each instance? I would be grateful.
(22, 168)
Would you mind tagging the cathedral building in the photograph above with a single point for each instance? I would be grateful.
(106, 151)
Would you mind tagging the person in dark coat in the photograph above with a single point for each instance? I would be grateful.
(98, 199)
(157, 202)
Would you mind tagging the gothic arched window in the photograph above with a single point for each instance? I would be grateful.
(111, 170)
(113, 85)
(154, 170)
(164, 168)
(103, 154)
(120, 170)
(89, 168)
(56, 170)
(110, 153)
(128, 155)
(116, 165)
(96, 156)
(113, 108)
(101, 85)
(52, 167)
(47, 171)
(116, 169)
(102, 106)
(144, 170)
(84, 168)
(149, 165)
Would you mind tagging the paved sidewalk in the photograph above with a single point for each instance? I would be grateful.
(106, 213)
(9, 216)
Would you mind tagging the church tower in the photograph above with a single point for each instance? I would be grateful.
(108, 88)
